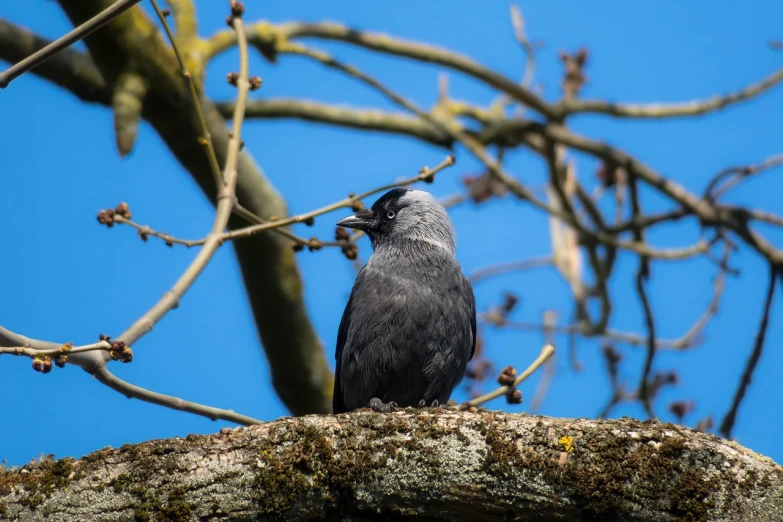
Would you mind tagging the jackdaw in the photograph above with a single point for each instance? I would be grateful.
(409, 328)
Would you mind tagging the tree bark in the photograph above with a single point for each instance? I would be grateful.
(425, 464)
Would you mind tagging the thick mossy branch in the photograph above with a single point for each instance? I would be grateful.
(433, 465)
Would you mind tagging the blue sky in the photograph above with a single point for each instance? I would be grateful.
(67, 279)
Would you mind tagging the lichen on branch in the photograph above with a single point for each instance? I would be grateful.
(426, 464)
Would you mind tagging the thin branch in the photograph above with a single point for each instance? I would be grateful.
(649, 220)
(343, 116)
(755, 240)
(737, 174)
(642, 276)
(194, 98)
(35, 347)
(225, 202)
(274, 292)
(707, 212)
(546, 353)
(61, 350)
(132, 391)
(767, 217)
(612, 359)
(727, 425)
(513, 266)
(70, 69)
(543, 386)
(663, 110)
(269, 38)
(545, 382)
(144, 231)
(425, 175)
(478, 150)
(682, 343)
(88, 27)
(644, 393)
(691, 336)
(184, 14)
(518, 22)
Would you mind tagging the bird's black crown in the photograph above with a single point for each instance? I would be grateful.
(390, 196)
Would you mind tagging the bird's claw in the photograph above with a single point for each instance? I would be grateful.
(423, 404)
(378, 405)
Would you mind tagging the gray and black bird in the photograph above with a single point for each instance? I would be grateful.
(409, 328)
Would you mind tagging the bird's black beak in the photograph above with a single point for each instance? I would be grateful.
(362, 220)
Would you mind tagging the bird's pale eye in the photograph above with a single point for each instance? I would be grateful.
(390, 214)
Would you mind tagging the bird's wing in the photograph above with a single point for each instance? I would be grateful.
(472, 312)
(338, 403)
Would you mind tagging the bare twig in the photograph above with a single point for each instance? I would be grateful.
(707, 212)
(175, 403)
(546, 353)
(12, 343)
(513, 266)
(426, 174)
(479, 151)
(767, 217)
(70, 69)
(61, 350)
(642, 276)
(712, 308)
(225, 203)
(549, 319)
(264, 34)
(518, 22)
(644, 386)
(693, 108)
(194, 97)
(612, 359)
(348, 202)
(144, 231)
(735, 175)
(682, 343)
(727, 425)
(341, 115)
(91, 25)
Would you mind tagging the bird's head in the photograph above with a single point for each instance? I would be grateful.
(403, 215)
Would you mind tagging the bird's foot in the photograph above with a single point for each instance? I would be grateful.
(378, 405)
(423, 404)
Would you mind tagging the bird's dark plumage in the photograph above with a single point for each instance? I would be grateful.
(409, 328)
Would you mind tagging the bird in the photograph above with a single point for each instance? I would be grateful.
(408, 330)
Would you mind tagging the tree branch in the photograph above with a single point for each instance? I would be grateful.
(84, 357)
(669, 110)
(300, 373)
(263, 35)
(753, 359)
(717, 187)
(70, 69)
(343, 116)
(87, 27)
(417, 464)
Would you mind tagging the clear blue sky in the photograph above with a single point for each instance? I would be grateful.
(67, 279)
